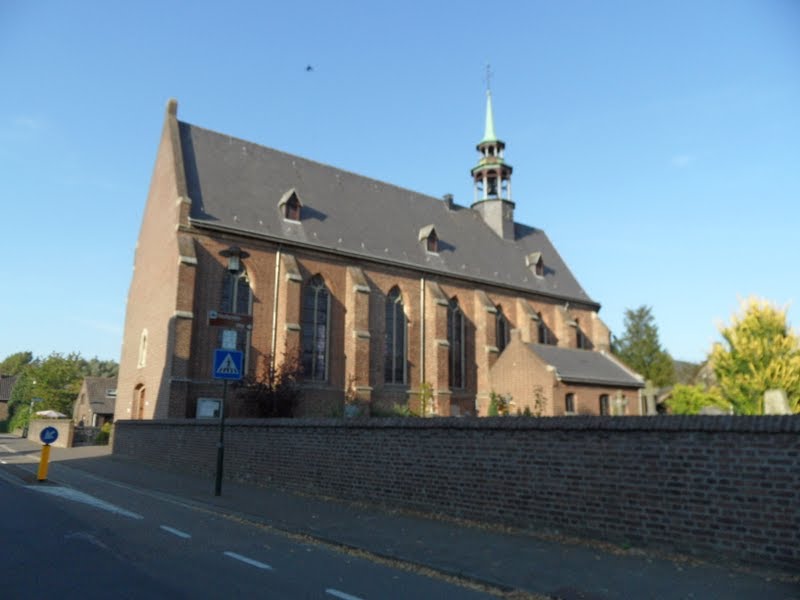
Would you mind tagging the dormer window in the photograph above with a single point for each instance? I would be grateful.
(290, 205)
(535, 263)
(293, 209)
(428, 235)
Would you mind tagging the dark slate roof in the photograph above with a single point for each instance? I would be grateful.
(237, 185)
(97, 389)
(6, 385)
(586, 366)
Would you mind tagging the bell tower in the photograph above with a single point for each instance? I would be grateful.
(492, 178)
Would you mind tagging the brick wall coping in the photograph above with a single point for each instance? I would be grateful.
(672, 423)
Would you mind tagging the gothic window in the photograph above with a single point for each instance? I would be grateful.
(455, 335)
(142, 349)
(501, 330)
(580, 337)
(316, 328)
(569, 404)
(395, 340)
(544, 332)
(236, 298)
(605, 408)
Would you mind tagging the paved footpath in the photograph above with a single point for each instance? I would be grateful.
(512, 562)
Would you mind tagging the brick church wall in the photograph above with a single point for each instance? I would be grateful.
(151, 304)
(723, 486)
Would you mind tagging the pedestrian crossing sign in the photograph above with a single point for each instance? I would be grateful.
(228, 364)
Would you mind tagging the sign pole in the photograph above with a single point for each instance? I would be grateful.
(48, 435)
(44, 462)
(228, 365)
(221, 442)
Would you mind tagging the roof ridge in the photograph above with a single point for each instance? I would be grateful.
(324, 165)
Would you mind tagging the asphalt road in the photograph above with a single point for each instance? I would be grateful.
(92, 538)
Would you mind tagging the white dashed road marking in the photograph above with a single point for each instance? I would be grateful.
(249, 561)
(178, 532)
(341, 595)
(7, 449)
(77, 496)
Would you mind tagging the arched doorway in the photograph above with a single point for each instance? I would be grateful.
(137, 407)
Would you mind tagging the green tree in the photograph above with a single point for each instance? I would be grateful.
(94, 367)
(55, 379)
(640, 349)
(759, 352)
(689, 399)
(14, 364)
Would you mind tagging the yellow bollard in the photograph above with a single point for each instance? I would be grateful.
(43, 463)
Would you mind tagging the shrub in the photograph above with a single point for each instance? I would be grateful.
(275, 390)
(102, 437)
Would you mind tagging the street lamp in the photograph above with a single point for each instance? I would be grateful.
(30, 415)
(234, 254)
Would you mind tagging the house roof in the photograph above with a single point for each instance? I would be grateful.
(586, 366)
(6, 385)
(97, 394)
(237, 185)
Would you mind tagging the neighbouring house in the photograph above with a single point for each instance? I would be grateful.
(95, 404)
(376, 290)
(6, 386)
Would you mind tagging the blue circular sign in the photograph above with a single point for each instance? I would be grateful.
(48, 435)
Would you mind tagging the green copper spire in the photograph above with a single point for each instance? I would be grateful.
(489, 134)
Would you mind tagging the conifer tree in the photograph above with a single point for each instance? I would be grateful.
(640, 349)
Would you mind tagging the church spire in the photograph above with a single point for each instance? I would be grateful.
(492, 177)
(488, 133)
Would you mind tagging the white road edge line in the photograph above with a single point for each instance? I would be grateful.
(341, 595)
(178, 532)
(77, 496)
(7, 449)
(249, 561)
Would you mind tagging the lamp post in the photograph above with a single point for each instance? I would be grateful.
(30, 415)
(234, 254)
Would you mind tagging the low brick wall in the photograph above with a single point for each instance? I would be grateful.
(717, 485)
(65, 429)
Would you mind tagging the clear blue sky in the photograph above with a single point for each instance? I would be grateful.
(657, 143)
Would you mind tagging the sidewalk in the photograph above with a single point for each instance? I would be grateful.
(504, 560)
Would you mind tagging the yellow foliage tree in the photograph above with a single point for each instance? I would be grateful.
(759, 352)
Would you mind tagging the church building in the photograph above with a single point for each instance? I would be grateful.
(383, 295)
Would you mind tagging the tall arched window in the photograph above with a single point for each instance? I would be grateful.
(394, 365)
(501, 330)
(544, 332)
(580, 337)
(316, 322)
(455, 335)
(142, 361)
(236, 298)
